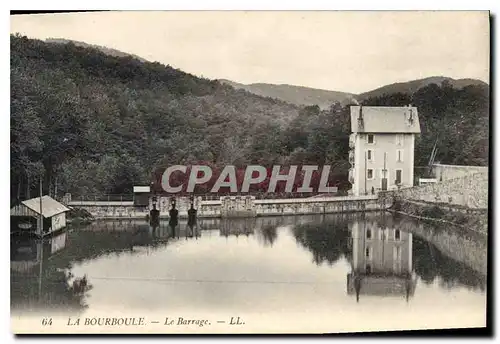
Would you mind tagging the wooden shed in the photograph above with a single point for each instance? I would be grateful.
(25, 216)
(141, 196)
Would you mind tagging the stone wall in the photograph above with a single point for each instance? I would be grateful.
(243, 206)
(320, 205)
(447, 172)
(238, 206)
(470, 191)
(475, 220)
(112, 210)
(210, 209)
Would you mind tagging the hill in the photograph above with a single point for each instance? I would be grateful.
(410, 87)
(105, 50)
(457, 117)
(297, 95)
(92, 122)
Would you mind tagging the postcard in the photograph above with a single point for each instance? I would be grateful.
(249, 172)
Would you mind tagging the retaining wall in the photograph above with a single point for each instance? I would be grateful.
(446, 172)
(239, 206)
(470, 191)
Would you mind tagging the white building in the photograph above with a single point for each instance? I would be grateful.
(382, 145)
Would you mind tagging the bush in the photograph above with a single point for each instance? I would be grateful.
(80, 214)
(434, 212)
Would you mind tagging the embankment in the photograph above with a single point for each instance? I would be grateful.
(469, 191)
(475, 220)
(458, 243)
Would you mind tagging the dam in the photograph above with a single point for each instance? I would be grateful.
(234, 206)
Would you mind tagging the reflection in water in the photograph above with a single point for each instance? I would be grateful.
(378, 257)
(173, 220)
(192, 228)
(269, 234)
(382, 260)
(430, 265)
(37, 283)
(327, 237)
(237, 227)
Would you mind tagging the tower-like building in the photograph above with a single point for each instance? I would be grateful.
(382, 145)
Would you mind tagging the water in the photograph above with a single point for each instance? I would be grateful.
(324, 273)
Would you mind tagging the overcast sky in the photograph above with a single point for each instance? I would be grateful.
(343, 51)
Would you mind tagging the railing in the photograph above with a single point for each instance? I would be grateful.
(102, 198)
(257, 195)
(204, 197)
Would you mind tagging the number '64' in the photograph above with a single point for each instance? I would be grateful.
(46, 321)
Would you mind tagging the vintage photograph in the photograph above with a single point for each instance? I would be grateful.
(249, 172)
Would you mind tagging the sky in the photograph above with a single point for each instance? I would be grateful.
(342, 51)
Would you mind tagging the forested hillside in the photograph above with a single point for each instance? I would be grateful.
(411, 87)
(106, 50)
(91, 123)
(97, 123)
(458, 118)
(297, 95)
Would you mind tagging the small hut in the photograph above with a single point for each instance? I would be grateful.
(25, 216)
(141, 196)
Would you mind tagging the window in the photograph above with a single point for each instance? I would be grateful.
(399, 156)
(369, 155)
(397, 234)
(371, 138)
(400, 139)
(369, 173)
(368, 233)
(399, 176)
(368, 252)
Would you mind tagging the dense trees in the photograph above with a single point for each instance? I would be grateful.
(457, 118)
(90, 123)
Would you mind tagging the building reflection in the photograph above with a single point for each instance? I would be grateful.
(36, 282)
(237, 226)
(26, 252)
(152, 234)
(381, 260)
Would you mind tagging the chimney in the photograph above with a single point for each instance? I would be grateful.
(410, 117)
(360, 118)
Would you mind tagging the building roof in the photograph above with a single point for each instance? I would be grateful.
(385, 119)
(50, 206)
(141, 189)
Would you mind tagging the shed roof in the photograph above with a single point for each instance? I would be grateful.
(50, 206)
(385, 119)
(141, 189)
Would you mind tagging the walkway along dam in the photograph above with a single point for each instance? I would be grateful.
(234, 206)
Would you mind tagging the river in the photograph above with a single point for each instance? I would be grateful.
(318, 273)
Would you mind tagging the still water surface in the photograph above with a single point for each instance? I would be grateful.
(322, 273)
